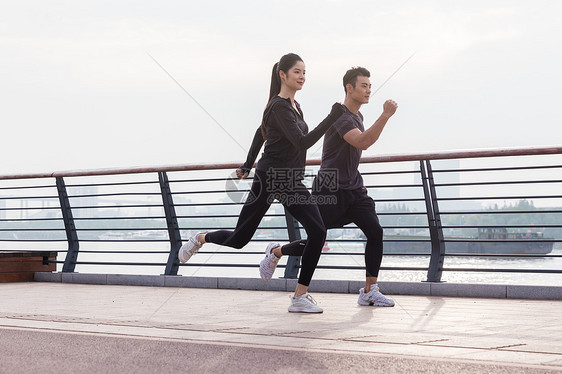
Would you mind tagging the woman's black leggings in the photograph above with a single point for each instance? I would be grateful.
(297, 200)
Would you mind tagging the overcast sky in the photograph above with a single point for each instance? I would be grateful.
(80, 90)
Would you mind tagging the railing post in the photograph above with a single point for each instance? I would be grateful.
(293, 263)
(172, 222)
(71, 235)
(435, 269)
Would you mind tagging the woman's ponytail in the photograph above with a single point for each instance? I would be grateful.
(275, 86)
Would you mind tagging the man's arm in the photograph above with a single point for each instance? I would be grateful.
(363, 140)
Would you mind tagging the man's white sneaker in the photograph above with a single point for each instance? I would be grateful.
(269, 263)
(374, 297)
(304, 304)
(190, 248)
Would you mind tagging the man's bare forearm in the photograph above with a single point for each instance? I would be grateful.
(372, 134)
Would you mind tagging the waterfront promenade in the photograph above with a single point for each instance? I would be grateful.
(52, 327)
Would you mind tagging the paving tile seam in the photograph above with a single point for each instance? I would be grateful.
(523, 351)
(425, 344)
(502, 348)
(138, 324)
(226, 329)
(510, 345)
(479, 348)
(431, 341)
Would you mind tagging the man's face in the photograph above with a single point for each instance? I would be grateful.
(362, 90)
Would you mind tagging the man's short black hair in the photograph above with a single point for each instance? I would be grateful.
(352, 74)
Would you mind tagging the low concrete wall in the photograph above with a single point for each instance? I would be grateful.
(330, 286)
(21, 266)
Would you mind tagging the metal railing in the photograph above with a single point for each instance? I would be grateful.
(430, 207)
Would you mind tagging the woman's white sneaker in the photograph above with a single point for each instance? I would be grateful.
(190, 248)
(269, 263)
(304, 304)
(374, 297)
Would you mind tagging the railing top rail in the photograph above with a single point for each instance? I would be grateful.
(498, 152)
(446, 155)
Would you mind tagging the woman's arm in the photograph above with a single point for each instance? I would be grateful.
(257, 143)
(287, 120)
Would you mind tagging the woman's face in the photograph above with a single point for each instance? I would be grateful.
(295, 77)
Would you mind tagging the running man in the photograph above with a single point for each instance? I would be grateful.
(343, 145)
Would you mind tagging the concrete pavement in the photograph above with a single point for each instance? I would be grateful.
(58, 327)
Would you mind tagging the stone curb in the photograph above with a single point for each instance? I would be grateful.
(329, 286)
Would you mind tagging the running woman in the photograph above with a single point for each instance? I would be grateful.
(343, 145)
(279, 175)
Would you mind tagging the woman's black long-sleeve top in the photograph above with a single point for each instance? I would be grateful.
(287, 137)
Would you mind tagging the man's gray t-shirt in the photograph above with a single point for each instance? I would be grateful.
(339, 155)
